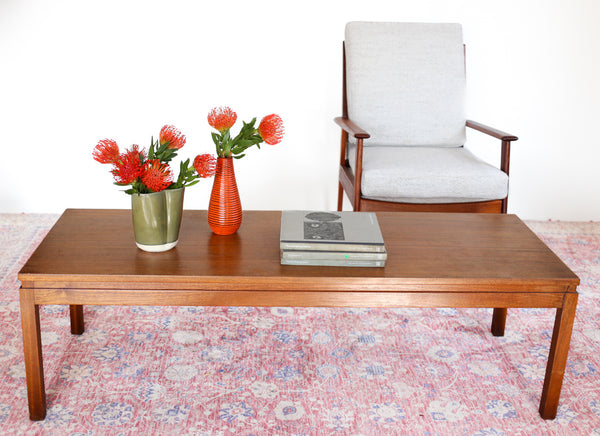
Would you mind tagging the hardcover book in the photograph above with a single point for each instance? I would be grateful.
(317, 262)
(331, 255)
(331, 231)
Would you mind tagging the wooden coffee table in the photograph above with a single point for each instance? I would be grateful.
(434, 260)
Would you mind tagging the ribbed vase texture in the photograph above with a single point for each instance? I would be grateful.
(224, 209)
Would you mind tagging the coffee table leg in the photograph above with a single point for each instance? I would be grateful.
(76, 312)
(32, 347)
(498, 321)
(557, 357)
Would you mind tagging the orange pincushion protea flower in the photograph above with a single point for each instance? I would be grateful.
(129, 166)
(222, 118)
(172, 136)
(106, 152)
(205, 165)
(157, 176)
(149, 172)
(271, 129)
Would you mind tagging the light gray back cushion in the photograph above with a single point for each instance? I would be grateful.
(406, 82)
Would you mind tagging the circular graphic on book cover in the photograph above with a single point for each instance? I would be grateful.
(323, 225)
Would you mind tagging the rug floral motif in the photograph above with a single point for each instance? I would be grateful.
(300, 371)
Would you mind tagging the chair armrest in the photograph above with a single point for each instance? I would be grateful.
(504, 153)
(491, 131)
(351, 128)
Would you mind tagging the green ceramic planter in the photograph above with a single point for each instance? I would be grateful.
(157, 218)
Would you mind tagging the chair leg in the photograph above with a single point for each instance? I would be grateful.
(498, 321)
(340, 197)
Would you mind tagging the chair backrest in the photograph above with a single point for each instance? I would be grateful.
(405, 82)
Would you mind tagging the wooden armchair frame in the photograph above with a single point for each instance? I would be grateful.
(350, 181)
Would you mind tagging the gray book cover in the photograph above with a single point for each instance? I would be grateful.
(330, 231)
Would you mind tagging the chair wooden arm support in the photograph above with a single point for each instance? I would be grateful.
(506, 140)
(351, 128)
(503, 136)
(348, 180)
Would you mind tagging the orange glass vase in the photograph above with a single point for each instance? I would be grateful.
(224, 209)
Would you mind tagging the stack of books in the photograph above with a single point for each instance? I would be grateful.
(331, 239)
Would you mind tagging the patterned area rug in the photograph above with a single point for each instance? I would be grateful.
(300, 371)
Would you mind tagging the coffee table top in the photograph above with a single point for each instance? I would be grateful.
(96, 249)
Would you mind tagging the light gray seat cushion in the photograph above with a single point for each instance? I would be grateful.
(428, 175)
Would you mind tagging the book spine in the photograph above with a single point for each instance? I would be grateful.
(323, 262)
(331, 247)
(331, 255)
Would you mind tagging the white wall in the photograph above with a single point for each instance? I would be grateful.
(73, 72)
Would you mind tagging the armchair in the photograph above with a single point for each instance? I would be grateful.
(404, 125)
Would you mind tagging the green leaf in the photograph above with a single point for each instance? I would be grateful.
(151, 150)
(226, 136)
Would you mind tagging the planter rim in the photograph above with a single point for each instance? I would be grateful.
(159, 192)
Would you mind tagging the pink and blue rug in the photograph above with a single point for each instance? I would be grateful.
(300, 371)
